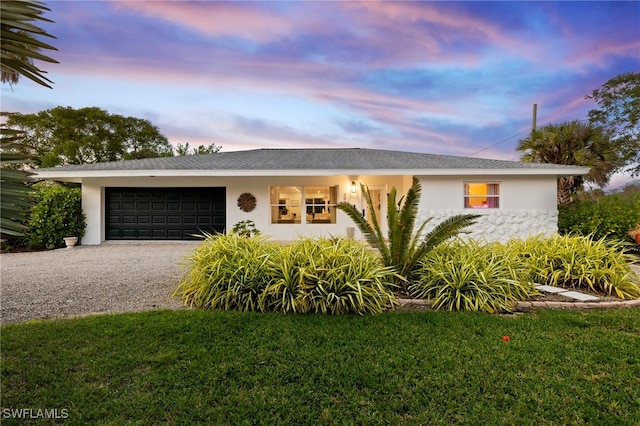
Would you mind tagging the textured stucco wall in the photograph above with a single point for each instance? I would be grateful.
(528, 205)
(501, 225)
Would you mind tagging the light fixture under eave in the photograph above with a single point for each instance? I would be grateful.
(353, 187)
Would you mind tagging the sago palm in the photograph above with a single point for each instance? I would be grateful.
(405, 245)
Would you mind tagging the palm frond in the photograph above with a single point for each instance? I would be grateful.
(14, 192)
(449, 228)
(405, 246)
(373, 238)
(19, 45)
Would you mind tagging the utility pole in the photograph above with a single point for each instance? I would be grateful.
(535, 117)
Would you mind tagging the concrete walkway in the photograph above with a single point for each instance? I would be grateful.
(576, 295)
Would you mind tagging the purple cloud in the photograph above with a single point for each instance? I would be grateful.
(444, 77)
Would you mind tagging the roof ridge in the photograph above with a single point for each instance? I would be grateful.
(310, 149)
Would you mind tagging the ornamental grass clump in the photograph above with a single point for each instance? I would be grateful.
(227, 272)
(579, 262)
(234, 272)
(470, 276)
(333, 276)
(405, 243)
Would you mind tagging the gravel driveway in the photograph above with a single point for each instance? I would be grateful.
(112, 277)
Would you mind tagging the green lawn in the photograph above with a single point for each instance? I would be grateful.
(188, 367)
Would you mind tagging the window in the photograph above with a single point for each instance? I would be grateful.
(303, 204)
(481, 195)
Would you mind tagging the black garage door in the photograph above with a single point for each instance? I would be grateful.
(163, 213)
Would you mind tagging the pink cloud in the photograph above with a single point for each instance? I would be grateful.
(244, 20)
(397, 116)
(601, 51)
(428, 26)
(366, 26)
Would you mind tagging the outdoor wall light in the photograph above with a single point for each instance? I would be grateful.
(353, 187)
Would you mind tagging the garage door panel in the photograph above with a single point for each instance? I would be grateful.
(164, 213)
(173, 234)
(128, 219)
(128, 233)
(159, 234)
(202, 220)
(142, 233)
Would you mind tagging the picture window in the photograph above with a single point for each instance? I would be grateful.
(303, 204)
(481, 195)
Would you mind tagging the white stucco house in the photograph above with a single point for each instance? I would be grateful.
(293, 192)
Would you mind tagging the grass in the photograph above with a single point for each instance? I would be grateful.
(189, 367)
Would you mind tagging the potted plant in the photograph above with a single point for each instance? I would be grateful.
(246, 228)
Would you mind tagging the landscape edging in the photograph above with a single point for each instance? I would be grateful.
(541, 304)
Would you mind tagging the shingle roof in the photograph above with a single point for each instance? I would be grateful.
(306, 159)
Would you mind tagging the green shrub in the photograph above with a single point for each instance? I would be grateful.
(578, 262)
(405, 244)
(246, 228)
(233, 272)
(470, 276)
(329, 276)
(227, 272)
(56, 214)
(611, 216)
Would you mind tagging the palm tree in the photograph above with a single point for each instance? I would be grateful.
(577, 144)
(18, 49)
(404, 245)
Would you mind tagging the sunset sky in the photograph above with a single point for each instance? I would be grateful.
(455, 78)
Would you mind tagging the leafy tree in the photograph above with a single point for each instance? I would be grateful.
(577, 144)
(19, 46)
(185, 149)
(140, 138)
(405, 245)
(64, 135)
(619, 111)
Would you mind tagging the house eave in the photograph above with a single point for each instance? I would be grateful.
(77, 176)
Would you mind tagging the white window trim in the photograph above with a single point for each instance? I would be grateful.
(303, 205)
(486, 182)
